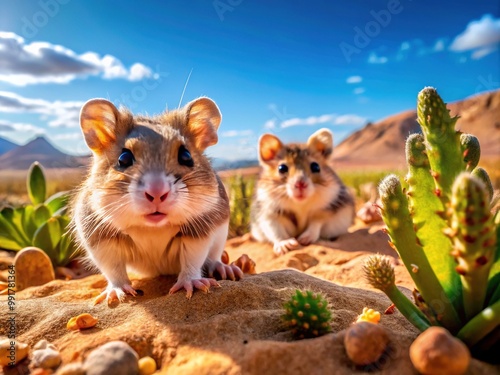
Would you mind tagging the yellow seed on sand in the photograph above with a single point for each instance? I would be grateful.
(82, 321)
(369, 315)
(147, 366)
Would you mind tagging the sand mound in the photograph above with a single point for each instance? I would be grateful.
(236, 329)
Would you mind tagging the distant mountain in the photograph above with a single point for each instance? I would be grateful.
(6, 146)
(39, 149)
(383, 143)
(223, 165)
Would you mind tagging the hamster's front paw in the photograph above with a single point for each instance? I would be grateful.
(284, 246)
(308, 237)
(223, 271)
(115, 293)
(202, 284)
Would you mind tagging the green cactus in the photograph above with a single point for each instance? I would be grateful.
(444, 231)
(43, 223)
(307, 315)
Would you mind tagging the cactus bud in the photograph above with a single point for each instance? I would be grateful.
(471, 150)
(379, 272)
(481, 174)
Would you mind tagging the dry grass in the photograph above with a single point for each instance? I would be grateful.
(13, 183)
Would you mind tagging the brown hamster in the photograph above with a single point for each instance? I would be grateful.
(299, 198)
(152, 202)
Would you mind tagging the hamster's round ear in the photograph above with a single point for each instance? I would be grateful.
(321, 141)
(98, 120)
(203, 120)
(269, 146)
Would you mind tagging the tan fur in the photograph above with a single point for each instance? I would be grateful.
(283, 215)
(111, 210)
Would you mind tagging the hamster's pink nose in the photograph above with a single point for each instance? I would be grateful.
(154, 195)
(301, 185)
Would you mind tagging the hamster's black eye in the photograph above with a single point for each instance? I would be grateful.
(315, 167)
(126, 158)
(282, 168)
(184, 157)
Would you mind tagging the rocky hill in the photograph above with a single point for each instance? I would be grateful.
(41, 150)
(382, 143)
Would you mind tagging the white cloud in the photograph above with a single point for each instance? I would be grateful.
(24, 64)
(481, 52)
(479, 34)
(59, 113)
(8, 127)
(354, 79)
(350, 120)
(331, 119)
(270, 124)
(359, 90)
(237, 133)
(373, 58)
(439, 45)
(67, 137)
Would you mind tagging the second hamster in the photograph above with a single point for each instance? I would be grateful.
(299, 198)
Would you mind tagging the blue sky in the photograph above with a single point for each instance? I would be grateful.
(285, 67)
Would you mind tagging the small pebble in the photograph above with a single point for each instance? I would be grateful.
(71, 369)
(33, 268)
(47, 358)
(147, 366)
(436, 351)
(365, 342)
(113, 358)
(12, 351)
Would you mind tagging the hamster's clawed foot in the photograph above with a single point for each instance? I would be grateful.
(284, 246)
(202, 284)
(113, 293)
(223, 271)
(308, 237)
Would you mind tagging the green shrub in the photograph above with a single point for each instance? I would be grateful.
(43, 223)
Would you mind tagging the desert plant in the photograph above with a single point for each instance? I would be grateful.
(43, 223)
(307, 314)
(444, 230)
(240, 191)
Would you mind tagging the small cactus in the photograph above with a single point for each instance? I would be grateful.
(307, 315)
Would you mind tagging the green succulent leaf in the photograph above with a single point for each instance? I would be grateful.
(37, 187)
(57, 202)
(41, 214)
(47, 237)
(10, 238)
(28, 221)
(8, 213)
